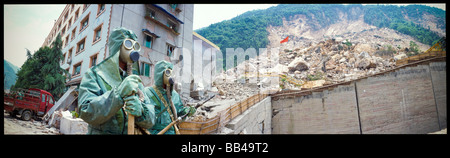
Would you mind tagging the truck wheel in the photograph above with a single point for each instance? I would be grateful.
(26, 115)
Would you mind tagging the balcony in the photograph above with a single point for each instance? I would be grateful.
(151, 18)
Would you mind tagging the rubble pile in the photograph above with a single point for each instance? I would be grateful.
(334, 61)
(14, 125)
(314, 57)
(326, 62)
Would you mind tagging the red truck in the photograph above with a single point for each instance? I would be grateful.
(28, 103)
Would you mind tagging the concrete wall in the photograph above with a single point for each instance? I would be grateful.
(398, 102)
(438, 72)
(407, 101)
(255, 120)
(330, 111)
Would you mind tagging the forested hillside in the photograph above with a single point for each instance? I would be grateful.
(249, 29)
(9, 73)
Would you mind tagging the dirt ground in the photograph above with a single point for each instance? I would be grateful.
(17, 126)
(444, 131)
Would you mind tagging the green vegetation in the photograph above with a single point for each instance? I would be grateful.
(249, 29)
(9, 72)
(348, 43)
(413, 49)
(316, 76)
(394, 17)
(41, 70)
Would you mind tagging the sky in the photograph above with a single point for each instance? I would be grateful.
(27, 26)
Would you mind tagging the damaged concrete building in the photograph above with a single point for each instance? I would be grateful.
(165, 32)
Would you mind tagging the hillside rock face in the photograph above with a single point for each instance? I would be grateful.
(304, 32)
(342, 51)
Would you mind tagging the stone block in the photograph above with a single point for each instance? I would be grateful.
(69, 125)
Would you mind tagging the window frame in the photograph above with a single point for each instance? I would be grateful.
(91, 59)
(174, 25)
(100, 12)
(151, 40)
(64, 58)
(76, 15)
(78, 51)
(75, 67)
(83, 21)
(143, 70)
(99, 27)
(67, 41)
(168, 46)
(73, 33)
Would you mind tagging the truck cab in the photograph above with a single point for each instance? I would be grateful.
(28, 103)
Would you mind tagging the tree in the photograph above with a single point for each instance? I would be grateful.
(413, 47)
(42, 70)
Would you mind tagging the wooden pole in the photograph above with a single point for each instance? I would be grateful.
(130, 117)
(167, 127)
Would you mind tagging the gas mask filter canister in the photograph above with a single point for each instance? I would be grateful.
(167, 79)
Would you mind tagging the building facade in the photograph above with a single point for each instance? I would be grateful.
(204, 63)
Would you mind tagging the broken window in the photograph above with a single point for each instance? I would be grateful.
(172, 25)
(170, 49)
(151, 13)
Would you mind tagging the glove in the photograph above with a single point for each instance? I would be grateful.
(129, 86)
(190, 110)
(133, 105)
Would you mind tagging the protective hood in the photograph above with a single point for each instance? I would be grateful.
(117, 37)
(159, 72)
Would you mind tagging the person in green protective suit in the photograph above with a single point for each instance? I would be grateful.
(106, 87)
(158, 97)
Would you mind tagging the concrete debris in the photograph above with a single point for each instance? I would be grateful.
(14, 125)
(400, 56)
(311, 84)
(70, 125)
(298, 64)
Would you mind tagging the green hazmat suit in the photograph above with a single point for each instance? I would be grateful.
(101, 94)
(162, 115)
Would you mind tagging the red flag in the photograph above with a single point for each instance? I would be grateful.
(285, 40)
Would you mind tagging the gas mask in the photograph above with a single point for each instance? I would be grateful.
(129, 51)
(167, 79)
